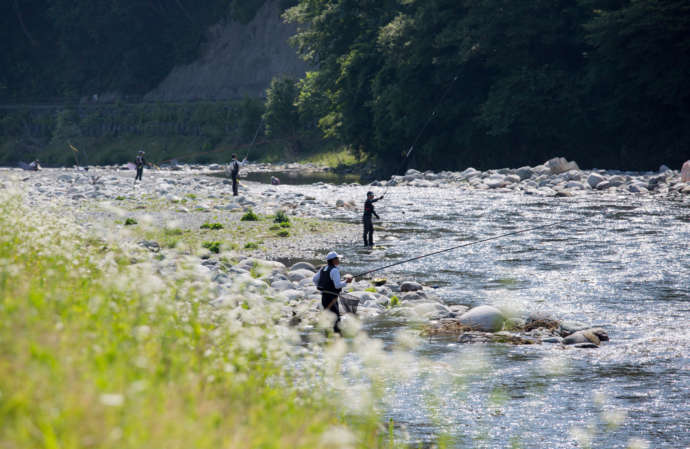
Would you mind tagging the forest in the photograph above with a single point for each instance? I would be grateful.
(485, 83)
(494, 83)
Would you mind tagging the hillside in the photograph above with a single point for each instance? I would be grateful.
(238, 60)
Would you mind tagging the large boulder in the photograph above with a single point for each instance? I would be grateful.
(298, 275)
(595, 179)
(495, 181)
(685, 172)
(587, 336)
(525, 172)
(303, 266)
(559, 165)
(483, 318)
(410, 286)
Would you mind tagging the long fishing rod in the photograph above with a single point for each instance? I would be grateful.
(256, 133)
(426, 124)
(462, 246)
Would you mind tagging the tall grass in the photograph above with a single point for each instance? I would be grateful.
(100, 352)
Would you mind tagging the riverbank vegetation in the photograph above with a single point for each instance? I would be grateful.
(102, 351)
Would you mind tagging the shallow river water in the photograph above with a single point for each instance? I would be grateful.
(622, 264)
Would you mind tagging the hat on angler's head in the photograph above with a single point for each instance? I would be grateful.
(370, 193)
(332, 255)
(141, 152)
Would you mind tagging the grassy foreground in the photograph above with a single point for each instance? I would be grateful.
(100, 353)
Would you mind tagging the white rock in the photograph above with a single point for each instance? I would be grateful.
(303, 266)
(513, 179)
(410, 286)
(637, 188)
(594, 180)
(281, 285)
(617, 181)
(483, 318)
(559, 165)
(298, 275)
(525, 172)
(495, 181)
(603, 185)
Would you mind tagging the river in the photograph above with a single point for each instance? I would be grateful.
(622, 263)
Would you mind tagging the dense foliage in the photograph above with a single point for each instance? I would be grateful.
(500, 83)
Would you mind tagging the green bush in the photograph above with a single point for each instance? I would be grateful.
(283, 233)
(281, 217)
(395, 301)
(251, 245)
(213, 246)
(119, 198)
(130, 221)
(250, 216)
(285, 224)
(274, 228)
(212, 226)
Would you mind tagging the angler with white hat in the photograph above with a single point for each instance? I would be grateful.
(328, 282)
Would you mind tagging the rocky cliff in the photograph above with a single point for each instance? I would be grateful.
(238, 60)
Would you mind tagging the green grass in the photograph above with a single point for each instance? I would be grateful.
(283, 233)
(92, 363)
(249, 216)
(260, 231)
(130, 222)
(213, 246)
(212, 226)
(336, 157)
(251, 245)
(281, 217)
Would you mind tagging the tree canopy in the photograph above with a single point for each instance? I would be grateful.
(500, 82)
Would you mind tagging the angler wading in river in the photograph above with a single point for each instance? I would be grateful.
(328, 282)
(235, 171)
(367, 220)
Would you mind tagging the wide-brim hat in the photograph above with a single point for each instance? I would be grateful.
(332, 255)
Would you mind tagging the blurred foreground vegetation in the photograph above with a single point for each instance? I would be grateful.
(101, 353)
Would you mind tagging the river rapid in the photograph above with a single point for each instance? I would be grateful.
(620, 263)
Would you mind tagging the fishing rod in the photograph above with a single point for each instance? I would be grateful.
(462, 246)
(256, 133)
(426, 124)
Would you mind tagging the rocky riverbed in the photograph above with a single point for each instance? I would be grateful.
(614, 270)
(165, 216)
(556, 177)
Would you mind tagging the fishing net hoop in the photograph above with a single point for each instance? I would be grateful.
(349, 303)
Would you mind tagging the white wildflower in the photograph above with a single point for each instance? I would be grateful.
(338, 437)
(582, 435)
(614, 418)
(112, 399)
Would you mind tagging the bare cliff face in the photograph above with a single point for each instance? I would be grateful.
(238, 60)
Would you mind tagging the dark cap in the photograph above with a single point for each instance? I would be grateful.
(370, 193)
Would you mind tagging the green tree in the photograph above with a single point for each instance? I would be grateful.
(281, 116)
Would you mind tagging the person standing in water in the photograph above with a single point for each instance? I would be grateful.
(139, 162)
(235, 171)
(328, 282)
(367, 220)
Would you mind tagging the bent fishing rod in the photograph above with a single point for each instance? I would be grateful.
(496, 237)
